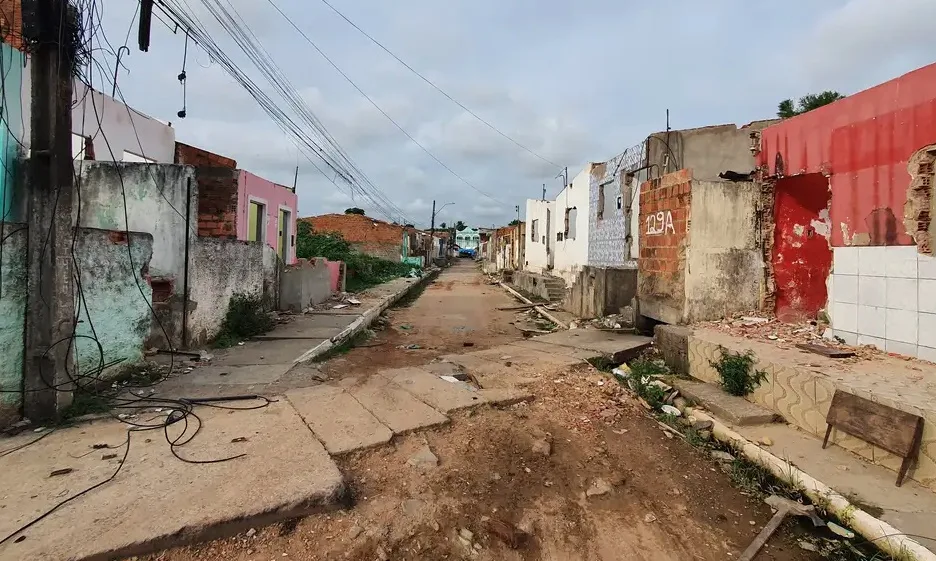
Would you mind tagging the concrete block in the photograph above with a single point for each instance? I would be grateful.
(338, 420)
(732, 409)
(306, 283)
(673, 342)
(395, 407)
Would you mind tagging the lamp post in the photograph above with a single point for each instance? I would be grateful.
(432, 224)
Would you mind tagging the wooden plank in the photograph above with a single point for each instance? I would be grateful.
(896, 431)
(825, 351)
(523, 307)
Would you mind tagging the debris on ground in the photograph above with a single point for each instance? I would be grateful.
(722, 456)
(542, 446)
(423, 459)
(598, 487)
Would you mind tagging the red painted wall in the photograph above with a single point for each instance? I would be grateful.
(801, 257)
(863, 142)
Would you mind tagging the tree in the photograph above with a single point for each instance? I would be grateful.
(514, 222)
(787, 108)
(354, 210)
(442, 226)
(460, 226)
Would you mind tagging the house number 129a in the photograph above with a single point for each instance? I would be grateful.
(660, 223)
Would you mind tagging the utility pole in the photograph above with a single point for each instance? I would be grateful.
(544, 191)
(432, 233)
(50, 305)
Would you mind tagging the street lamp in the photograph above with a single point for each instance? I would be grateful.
(432, 222)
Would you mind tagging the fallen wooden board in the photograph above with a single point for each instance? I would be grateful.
(523, 307)
(896, 431)
(539, 309)
(830, 352)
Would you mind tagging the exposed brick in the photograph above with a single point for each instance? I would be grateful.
(369, 235)
(217, 201)
(198, 157)
(11, 23)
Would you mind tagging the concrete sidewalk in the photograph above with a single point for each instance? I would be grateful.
(280, 360)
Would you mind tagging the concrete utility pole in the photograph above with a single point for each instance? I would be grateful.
(50, 300)
(432, 234)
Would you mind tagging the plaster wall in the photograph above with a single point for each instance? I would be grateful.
(571, 241)
(222, 269)
(540, 235)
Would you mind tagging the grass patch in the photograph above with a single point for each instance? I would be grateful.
(738, 376)
(85, 402)
(245, 318)
(603, 363)
(643, 374)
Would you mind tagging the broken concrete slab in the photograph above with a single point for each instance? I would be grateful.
(157, 501)
(262, 352)
(448, 396)
(394, 406)
(233, 375)
(621, 347)
(442, 395)
(732, 409)
(338, 420)
(534, 345)
(490, 374)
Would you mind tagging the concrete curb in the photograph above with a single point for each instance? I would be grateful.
(883, 535)
(366, 319)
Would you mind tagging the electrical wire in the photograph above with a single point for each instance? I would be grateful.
(437, 88)
(376, 106)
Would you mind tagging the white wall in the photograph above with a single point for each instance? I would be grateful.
(536, 257)
(114, 127)
(886, 297)
(571, 253)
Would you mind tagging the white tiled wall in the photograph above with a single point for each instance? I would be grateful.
(885, 296)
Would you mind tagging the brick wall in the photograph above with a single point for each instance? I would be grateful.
(193, 156)
(367, 235)
(217, 201)
(664, 217)
(11, 23)
(664, 225)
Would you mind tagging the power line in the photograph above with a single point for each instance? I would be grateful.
(372, 102)
(437, 88)
(324, 147)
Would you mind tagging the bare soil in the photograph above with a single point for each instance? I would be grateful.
(495, 494)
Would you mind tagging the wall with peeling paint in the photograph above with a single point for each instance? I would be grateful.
(876, 148)
(542, 238)
(571, 241)
(802, 256)
(863, 142)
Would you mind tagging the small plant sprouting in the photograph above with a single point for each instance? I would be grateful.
(737, 372)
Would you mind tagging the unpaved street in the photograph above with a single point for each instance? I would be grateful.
(580, 473)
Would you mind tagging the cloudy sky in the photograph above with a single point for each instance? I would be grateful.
(573, 81)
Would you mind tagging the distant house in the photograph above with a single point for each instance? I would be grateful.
(469, 238)
(236, 204)
(372, 236)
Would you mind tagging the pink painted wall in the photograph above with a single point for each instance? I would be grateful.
(334, 271)
(252, 187)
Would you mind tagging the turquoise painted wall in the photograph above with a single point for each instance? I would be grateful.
(11, 128)
(119, 313)
(12, 320)
(469, 238)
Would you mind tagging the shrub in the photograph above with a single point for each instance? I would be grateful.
(737, 373)
(245, 318)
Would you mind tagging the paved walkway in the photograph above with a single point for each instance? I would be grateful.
(281, 470)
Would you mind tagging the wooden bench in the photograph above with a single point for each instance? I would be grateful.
(893, 430)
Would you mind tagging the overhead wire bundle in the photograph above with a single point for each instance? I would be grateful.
(310, 135)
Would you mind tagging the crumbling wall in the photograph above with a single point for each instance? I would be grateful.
(724, 262)
(801, 256)
(921, 205)
(221, 269)
(217, 202)
(602, 291)
(12, 320)
(665, 208)
(113, 268)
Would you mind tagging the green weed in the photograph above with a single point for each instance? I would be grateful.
(737, 372)
(245, 318)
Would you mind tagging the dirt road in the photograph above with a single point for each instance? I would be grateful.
(581, 473)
